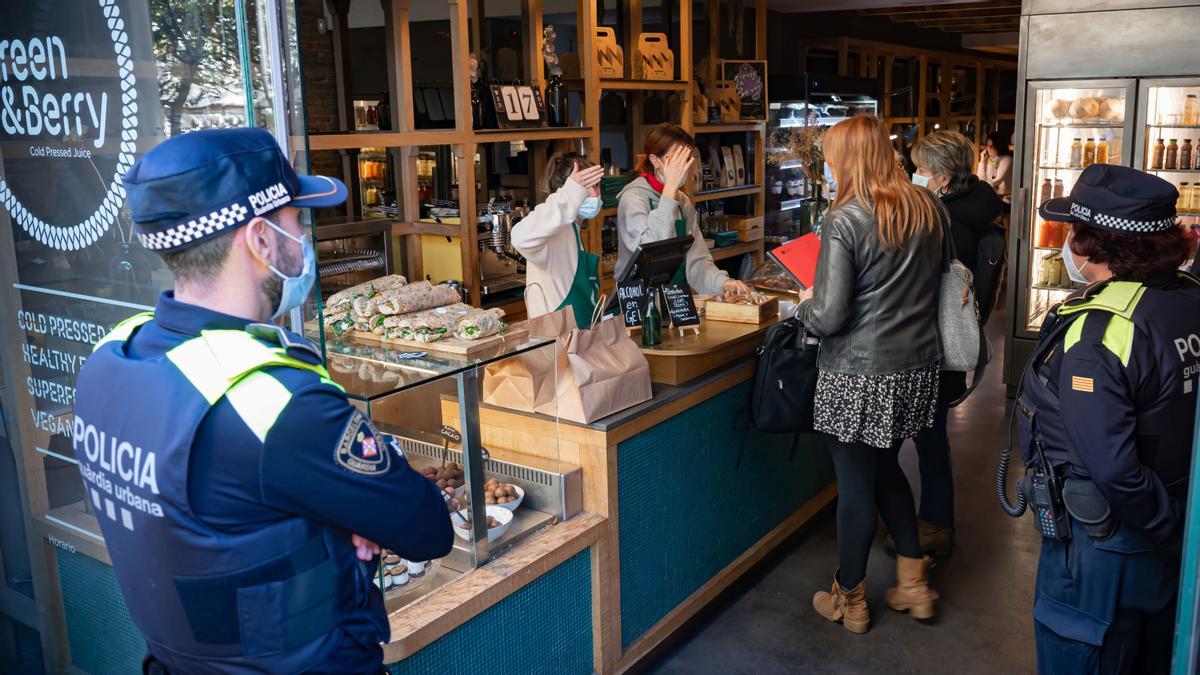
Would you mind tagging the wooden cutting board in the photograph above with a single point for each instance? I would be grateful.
(450, 345)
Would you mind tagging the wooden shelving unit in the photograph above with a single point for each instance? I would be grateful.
(404, 141)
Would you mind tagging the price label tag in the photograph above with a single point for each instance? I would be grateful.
(681, 306)
(512, 103)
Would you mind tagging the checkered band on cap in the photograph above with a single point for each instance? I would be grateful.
(1125, 225)
(198, 228)
(1091, 216)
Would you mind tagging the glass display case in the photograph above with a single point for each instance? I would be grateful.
(1169, 114)
(429, 405)
(795, 200)
(1073, 125)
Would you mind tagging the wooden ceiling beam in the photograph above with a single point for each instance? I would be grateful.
(964, 14)
(926, 9)
(956, 23)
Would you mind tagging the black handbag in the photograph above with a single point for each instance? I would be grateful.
(785, 381)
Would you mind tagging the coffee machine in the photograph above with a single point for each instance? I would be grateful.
(501, 268)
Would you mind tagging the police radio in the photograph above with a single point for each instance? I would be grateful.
(1044, 494)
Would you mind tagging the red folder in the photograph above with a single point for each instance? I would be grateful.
(798, 258)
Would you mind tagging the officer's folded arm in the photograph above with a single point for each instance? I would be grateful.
(324, 460)
(1098, 411)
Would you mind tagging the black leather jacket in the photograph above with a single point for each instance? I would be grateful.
(875, 310)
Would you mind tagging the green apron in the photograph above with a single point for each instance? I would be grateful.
(681, 230)
(585, 287)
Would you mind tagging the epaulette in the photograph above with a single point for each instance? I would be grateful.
(296, 346)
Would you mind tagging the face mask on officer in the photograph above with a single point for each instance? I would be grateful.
(1073, 270)
(293, 276)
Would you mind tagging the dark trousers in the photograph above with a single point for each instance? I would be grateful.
(937, 479)
(933, 455)
(1105, 606)
(870, 481)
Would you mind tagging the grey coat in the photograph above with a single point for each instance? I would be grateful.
(875, 310)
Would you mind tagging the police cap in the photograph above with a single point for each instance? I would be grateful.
(197, 185)
(1118, 199)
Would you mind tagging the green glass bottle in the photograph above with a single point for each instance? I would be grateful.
(652, 320)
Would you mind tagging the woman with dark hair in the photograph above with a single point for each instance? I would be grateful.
(1107, 407)
(874, 305)
(653, 207)
(995, 165)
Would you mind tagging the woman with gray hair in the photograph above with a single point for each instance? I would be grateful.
(945, 165)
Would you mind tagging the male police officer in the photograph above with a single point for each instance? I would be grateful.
(231, 478)
(1106, 416)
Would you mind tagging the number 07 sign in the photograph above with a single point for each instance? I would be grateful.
(518, 106)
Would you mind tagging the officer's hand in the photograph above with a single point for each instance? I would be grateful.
(365, 548)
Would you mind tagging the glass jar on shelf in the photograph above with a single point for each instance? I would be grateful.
(1191, 113)
(1171, 162)
(1185, 198)
(1185, 154)
(1076, 160)
(1156, 157)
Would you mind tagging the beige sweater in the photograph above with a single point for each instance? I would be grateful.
(547, 240)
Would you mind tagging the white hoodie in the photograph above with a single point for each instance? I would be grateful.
(638, 224)
(547, 240)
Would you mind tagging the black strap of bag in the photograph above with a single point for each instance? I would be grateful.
(785, 381)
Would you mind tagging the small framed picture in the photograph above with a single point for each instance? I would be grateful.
(749, 80)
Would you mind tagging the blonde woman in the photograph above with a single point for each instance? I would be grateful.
(874, 304)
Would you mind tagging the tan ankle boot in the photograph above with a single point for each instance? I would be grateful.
(912, 592)
(849, 607)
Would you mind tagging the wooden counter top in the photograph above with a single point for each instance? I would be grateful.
(713, 336)
(682, 358)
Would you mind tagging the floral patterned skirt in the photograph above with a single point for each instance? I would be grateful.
(876, 409)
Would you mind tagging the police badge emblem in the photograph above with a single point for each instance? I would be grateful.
(359, 449)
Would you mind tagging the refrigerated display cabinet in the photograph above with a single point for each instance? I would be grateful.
(1169, 109)
(1070, 125)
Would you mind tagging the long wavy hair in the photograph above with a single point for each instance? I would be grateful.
(860, 155)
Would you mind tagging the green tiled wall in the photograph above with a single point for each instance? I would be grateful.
(544, 628)
(103, 638)
(686, 512)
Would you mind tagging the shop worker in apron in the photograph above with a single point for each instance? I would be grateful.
(653, 208)
(241, 497)
(1106, 415)
(560, 272)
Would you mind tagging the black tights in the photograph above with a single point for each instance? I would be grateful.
(870, 479)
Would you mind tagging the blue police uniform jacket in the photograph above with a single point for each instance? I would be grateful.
(1111, 397)
(227, 473)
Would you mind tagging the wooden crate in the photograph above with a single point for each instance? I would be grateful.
(724, 311)
(748, 228)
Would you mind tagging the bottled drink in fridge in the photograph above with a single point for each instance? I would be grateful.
(1185, 154)
(1172, 156)
(1076, 160)
(1089, 152)
(1102, 151)
(1156, 160)
(1047, 191)
(1185, 197)
(1058, 188)
(1191, 113)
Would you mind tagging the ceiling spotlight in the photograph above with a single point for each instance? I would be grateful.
(893, 137)
(937, 126)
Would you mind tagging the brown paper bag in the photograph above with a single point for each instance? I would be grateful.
(522, 382)
(600, 371)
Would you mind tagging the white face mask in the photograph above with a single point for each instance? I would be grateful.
(921, 181)
(1076, 273)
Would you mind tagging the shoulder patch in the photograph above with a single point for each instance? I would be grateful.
(1084, 384)
(362, 449)
(296, 346)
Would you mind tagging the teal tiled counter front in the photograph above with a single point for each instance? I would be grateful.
(543, 628)
(687, 511)
(102, 637)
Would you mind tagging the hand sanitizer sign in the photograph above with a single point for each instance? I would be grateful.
(71, 106)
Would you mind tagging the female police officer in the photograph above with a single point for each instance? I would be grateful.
(1106, 413)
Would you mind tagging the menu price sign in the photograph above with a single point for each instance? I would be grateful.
(681, 307)
(632, 297)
